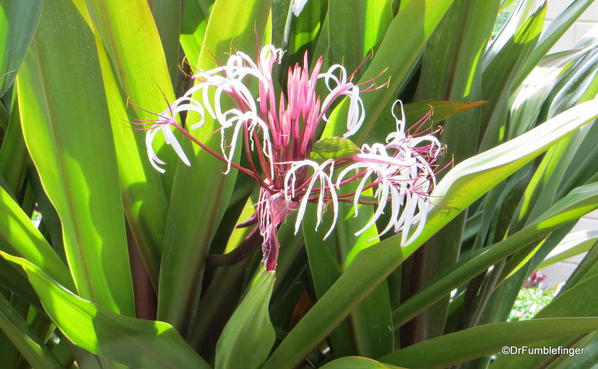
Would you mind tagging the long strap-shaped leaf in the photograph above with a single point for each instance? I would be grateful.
(17, 26)
(249, 323)
(14, 326)
(418, 19)
(17, 230)
(357, 362)
(572, 207)
(64, 119)
(463, 185)
(126, 35)
(573, 244)
(135, 342)
(465, 345)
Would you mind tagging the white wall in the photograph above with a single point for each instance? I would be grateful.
(588, 19)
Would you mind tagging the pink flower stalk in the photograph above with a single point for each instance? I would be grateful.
(279, 130)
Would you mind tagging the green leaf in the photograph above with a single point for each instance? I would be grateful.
(441, 109)
(15, 282)
(580, 202)
(463, 185)
(13, 153)
(578, 301)
(325, 266)
(18, 21)
(465, 345)
(557, 28)
(193, 28)
(133, 342)
(167, 15)
(144, 199)
(573, 244)
(249, 335)
(333, 148)
(418, 19)
(450, 74)
(18, 232)
(16, 329)
(350, 42)
(131, 38)
(585, 360)
(64, 119)
(193, 220)
(366, 331)
(500, 71)
(306, 27)
(126, 35)
(356, 362)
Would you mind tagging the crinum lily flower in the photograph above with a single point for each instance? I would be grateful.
(277, 132)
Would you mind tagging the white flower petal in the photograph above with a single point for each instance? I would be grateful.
(297, 6)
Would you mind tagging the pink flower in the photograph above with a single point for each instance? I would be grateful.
(281, 128)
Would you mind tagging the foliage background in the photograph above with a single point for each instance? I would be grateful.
(117, 272)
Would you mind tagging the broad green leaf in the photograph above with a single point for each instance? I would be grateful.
(305, 28)
(527, 101)
(193, 28)
(18, 22)
(133, 342)
(325, 268)
(64, 119)
(418, 19)
(463, 185)
(551, 36)
(13, 153)
(357, 362)
(451, 74)
(249, 335)
(500, 72)
(586, 269)
(201, 192)
(134, 70)
(333, 148)
(281, 22)
(588, 359)
(578, 203)
(572, 245)
(144, 200)
(167, 15)
(440, 109)
(16, 329)
(350, 42)
(18, 232)
(466, 345)
(11, 280)
(131, 38)
(366, 331)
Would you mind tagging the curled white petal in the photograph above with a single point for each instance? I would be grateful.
(323, 174)
(297, 7)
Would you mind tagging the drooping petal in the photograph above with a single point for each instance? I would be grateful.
(297, 6)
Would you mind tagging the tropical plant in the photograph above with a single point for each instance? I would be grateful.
(110, 263)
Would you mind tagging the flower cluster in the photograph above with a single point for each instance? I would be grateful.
(277, 132)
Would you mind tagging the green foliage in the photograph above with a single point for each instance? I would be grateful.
(125, 267)
(530, 301)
